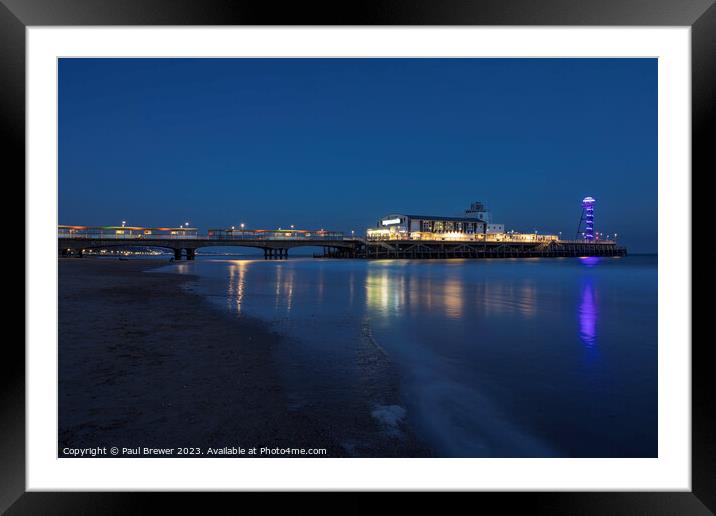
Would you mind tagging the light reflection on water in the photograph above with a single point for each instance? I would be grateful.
(236, 285)
(489, 354)
(588, 314)
(589, 261)
(389, 294)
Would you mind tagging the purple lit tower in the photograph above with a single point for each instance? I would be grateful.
(587, 219)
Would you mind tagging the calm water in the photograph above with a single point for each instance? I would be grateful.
(536, 357)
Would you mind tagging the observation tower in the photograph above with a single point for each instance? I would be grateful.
(585, 229)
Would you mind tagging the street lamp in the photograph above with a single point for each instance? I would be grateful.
(124, 222)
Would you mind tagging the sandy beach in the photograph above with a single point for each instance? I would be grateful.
(144, 363)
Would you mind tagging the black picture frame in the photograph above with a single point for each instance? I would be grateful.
(16, 15)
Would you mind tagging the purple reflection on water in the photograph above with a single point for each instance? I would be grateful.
(588, 314)
(589, 261)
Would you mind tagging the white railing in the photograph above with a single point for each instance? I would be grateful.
(125, 236)
(222, 238)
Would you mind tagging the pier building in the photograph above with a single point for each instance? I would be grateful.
(476, 224)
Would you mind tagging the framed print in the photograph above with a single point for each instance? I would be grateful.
(412, 248)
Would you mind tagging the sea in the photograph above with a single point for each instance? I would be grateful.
(541, 357)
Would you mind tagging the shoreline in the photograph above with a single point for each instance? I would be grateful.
(142, 362)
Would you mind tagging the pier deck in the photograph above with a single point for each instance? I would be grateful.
(425, 249)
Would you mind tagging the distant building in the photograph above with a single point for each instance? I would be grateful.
(495, 228)
(478, 210)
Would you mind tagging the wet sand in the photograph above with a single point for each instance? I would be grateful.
(144, 363)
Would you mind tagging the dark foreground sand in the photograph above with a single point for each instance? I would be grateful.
(143, 363)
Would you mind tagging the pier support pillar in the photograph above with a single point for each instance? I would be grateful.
(271, 253)
(190, 254)
(177, 254)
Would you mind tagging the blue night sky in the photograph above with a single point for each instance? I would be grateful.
(337, 143)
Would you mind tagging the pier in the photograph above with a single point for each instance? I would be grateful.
(184, 243)
(396, 235)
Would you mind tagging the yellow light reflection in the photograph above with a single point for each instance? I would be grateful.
(507, 298)
(453, 298)
(390, 292)
(284, 287)
(237, 284)
(385, 293)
